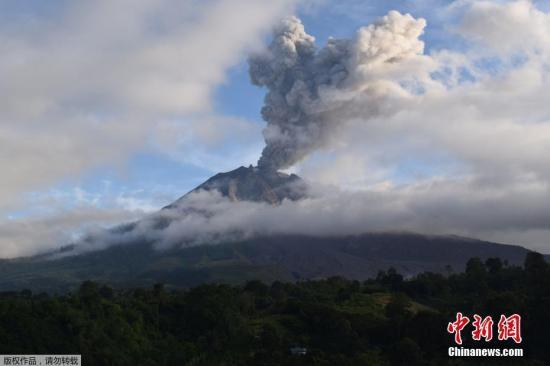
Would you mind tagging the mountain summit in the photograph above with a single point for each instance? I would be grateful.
(253, 184)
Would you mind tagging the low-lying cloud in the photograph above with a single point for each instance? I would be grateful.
(440, 207)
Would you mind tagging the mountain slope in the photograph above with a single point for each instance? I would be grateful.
(269, 258)
(253, 184)
(276, 257)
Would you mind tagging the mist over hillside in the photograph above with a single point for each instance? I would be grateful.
(275, 257)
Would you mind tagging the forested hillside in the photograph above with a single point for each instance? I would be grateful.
(383, 321)
(277, 257)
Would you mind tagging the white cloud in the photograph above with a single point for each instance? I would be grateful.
(94, 83)
(59, 217)
(512, 214)
(57, 228)
(509, 27)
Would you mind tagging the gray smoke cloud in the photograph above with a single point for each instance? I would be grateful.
(312, 92)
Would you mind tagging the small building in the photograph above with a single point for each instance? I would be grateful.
(300, 351)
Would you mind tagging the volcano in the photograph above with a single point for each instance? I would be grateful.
(134, 261)
(252, 184)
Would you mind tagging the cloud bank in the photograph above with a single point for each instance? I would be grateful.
(441, 207)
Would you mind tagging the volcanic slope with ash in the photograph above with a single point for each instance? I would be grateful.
(252, 184)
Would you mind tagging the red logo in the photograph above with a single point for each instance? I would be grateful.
(483, 328)
(508, 328)
(457, 326)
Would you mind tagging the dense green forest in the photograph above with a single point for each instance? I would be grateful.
(384, 321)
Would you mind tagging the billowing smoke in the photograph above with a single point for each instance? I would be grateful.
(312, 92)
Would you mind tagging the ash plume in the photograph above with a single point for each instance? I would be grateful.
(311, 91)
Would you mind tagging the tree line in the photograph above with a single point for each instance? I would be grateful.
(388, 320)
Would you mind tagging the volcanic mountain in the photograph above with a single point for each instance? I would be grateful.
(137, 262)
(252, 184)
